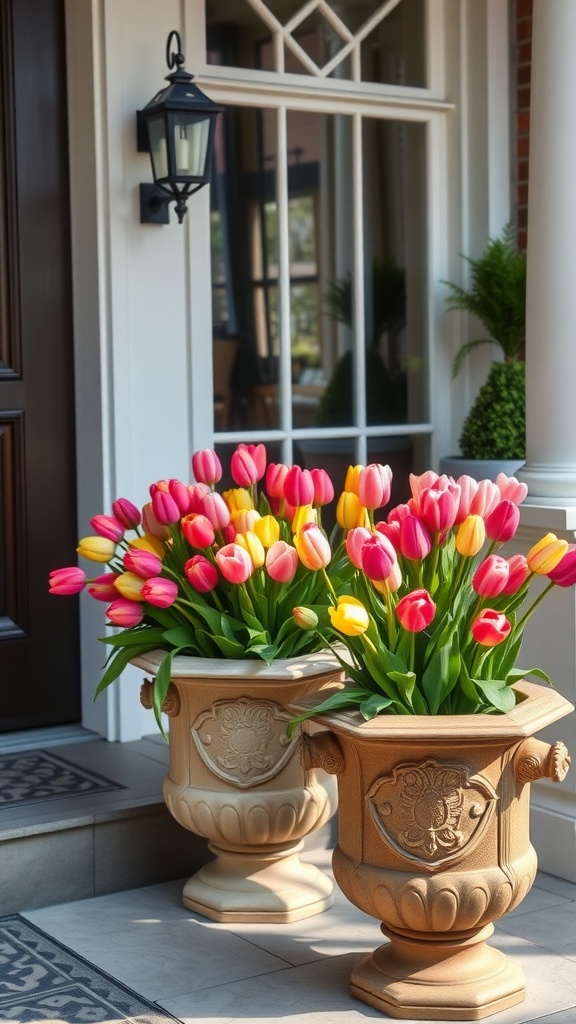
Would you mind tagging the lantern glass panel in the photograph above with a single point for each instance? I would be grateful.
(191, 135)
(158, 151)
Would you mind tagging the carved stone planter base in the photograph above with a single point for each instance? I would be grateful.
(258, 888)
(451, 981)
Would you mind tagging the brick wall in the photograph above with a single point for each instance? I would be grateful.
(522, 19)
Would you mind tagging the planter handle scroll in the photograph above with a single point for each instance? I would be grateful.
(170, 704)
(321, 750)
(536, 759)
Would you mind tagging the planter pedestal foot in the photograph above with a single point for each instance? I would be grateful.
(274, 887)
(442, 979)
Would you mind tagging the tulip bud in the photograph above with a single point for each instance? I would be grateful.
(377, 556)
(206, 467)
(415, 611)
(281, 562)
(160, 592)
(67, 581)
(374, 485)
(108, 526)
(349, 616)
(201, 574)
(502, 523)
(181, 495)
(323, 487)
(351, 478)
(298, 487)
(125, 613)
(275, 477)
(126, 513)
(350, 511)
(165, 509)
(545, 555)
(415, 541)
(248, 464)
(96, 549)
(305, 618)
(470, 536)
(490, 628)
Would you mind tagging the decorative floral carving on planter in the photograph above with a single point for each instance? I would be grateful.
(243, 741)
(430, 812)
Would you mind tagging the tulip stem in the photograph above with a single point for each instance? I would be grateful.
(520, 624)
(329, 586)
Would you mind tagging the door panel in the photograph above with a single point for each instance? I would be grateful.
(39, 661)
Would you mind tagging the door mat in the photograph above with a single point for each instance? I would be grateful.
(37, 775)
(43, 981)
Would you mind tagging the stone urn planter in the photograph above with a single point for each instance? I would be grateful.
(236, 779)
(479, 469)
(433, 841)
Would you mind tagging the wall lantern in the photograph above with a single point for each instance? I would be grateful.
(177, 129)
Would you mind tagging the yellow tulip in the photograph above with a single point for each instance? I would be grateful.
(470, 536)
(238, 499)
(245, 519)
(129, 585)
(267, 529)
(352, 476)
(255, 548)
(303, 514)
(97, 549)
(149, 543)
(545, 555)
(349, 511)
(350, 616)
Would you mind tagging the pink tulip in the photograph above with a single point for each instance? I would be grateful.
(511, 488)
(248, 464)
(281, 562)
(438, 509)
(518, 573)
(181, 495)
(216, 510)
(102, 588)
(159, 485)
(159, 592)
(234, 563)
(164, 507)
(299, 486)
(415, 541)
(108, 526)
(198, 530)
(206, 467)
(125, 613)
(491, 576)
(275, 477)
(377, 557)
(142, 563)
(468, 487)
(355, 540)
(374, 485)
(391, 531)
(126, 513)
(421, 483)
(201, 574)
(401, 512)
(67, 581)
(564, 574)
(197, 493)
(486, 498)
(490, 628)
(415, 611)
(502, 522)
(323, 487)
(313, 547)
(151, 524)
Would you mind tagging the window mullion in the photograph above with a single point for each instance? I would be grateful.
(359, 384)
(285, 364)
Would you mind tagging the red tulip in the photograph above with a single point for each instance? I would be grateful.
(201, 574)
(206, 466)
(181, 495)
(564, 574)
(67, 581)
(298, 487)
(415, 611)
(502, 522)
(198, 530)
(491, 576)
(108, 526)
(160, 592)
(126, 513)
(102, 588)
(377, 556)
(490, 628)
(125, 613)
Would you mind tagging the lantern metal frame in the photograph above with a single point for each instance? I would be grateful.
(179, 104)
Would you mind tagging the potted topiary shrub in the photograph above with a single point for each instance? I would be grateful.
(495, 429)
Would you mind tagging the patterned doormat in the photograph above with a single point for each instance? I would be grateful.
(35, 775)
(43, 981)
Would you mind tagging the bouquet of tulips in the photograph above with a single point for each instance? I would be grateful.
(430, 612)
(214, 575)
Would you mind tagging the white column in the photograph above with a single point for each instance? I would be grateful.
(550, 470)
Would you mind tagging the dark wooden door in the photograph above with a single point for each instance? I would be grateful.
(39, 660)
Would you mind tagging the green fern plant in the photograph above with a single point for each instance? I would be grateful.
(496, 425)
